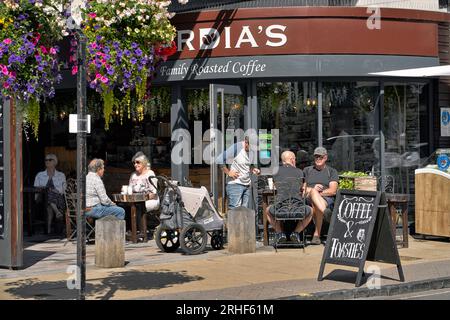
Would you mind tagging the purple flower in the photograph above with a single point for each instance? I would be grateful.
(127, 74)
(126, 52)
(134, 45)
(133, 60)
(138, 52)
(110, 71)
(30, 88)
(98, 38)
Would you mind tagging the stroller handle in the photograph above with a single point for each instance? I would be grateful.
(167, 181)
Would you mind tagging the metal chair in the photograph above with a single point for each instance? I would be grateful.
(289, 205)
(71, 213)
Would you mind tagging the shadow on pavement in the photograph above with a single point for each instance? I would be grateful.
(103, 289)
(350, 276)
(31, 257)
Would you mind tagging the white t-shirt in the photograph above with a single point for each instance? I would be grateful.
(241, 164)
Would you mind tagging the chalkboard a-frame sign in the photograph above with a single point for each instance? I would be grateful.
(360, 231)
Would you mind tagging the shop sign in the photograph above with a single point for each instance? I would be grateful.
(360, 231)
(445, 122)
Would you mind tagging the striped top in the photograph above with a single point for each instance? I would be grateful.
(95, 191)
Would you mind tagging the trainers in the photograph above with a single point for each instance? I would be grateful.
(327, 214)
(295, 237)
(280, 237)
(316, 240)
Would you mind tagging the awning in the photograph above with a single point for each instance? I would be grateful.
(417, 72)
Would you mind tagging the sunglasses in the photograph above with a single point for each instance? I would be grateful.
(318, 157)
(48, 159)
(136, 162)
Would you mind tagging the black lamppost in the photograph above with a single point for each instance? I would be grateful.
(82, 127)
(74, 23)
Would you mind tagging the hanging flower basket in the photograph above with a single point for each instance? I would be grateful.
(125, 41)
(29, 67)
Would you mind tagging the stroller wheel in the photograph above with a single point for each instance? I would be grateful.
(217, 240)
(193, 239)
(167, 240)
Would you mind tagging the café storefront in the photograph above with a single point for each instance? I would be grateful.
(306, 72)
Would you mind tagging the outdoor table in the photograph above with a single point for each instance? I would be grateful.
(132, 199)
(265, 203)
(400, 201)
(29, 193)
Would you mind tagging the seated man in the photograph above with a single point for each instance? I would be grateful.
(286, 172)
(321, 184)
(96, 198)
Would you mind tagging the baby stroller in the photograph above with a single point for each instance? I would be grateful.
(187, 217)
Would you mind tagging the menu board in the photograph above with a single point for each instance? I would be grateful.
(360, 230)
(2, 208)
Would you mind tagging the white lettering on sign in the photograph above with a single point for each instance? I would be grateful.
(354, 210)
(188, 41)
(210, 38)
(352, 250)
(281, 36)
(246, 36)
(247, 68)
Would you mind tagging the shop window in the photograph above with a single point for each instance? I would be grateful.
(405, 107)
(290, 107)
(349, 119)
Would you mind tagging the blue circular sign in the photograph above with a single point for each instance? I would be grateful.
(443, 162)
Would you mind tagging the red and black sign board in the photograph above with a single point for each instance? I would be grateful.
(360, 231)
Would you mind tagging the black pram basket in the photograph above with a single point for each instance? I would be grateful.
(173, 215)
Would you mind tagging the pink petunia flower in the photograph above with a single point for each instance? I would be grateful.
(74, 70)
(92, 15)
(7, 41)
(104, 79)
(98, 76)
(52, 50)
(43, 49)
(4, 69)
(5, 85)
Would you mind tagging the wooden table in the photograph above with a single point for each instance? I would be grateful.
(29, 193)
(395, 201)
(132, 199)
(265, 203)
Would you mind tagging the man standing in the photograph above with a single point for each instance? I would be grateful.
(289, 181)
(321, 186)
(238, 175)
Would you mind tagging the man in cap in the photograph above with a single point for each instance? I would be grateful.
(321, 184)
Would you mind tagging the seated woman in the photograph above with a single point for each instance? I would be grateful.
(139, 181)
(54, 181)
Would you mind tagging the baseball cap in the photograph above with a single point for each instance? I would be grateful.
(321, 151)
